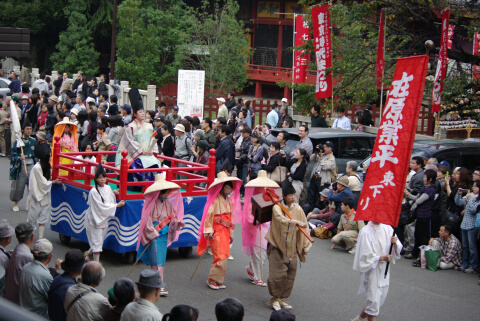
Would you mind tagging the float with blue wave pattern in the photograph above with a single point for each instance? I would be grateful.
(69, 206)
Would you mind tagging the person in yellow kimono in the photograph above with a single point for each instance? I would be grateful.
(67, 131)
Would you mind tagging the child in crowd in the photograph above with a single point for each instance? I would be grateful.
(348, 228)
(102, 206)
(103, 143)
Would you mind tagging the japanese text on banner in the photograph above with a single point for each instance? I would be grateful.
(323, 48)
(476, 51)
(302, 35)
(442, 64)
(382, 193)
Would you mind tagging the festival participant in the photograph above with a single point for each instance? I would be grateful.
(39, 186)
(67, 131)
(137, 139)
(370, 260)
(162, 219)
(216, 227)
(102, 205)
(284, 247)
(21, 164)
(253, 234)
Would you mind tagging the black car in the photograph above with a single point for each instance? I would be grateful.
(348, 144)
(458, 153)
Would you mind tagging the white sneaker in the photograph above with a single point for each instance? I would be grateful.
(209, 251)
(2, 154)
(163, 292)
(276, 305)
(352, 250)
(230, 258)
(15, 208)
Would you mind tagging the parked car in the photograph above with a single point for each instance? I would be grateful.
(4, 90)
(464, 153)
(348, 144)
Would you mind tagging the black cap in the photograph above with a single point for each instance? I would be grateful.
(100, 171)
(287, 188)
(27, 123)
(282, 315)
(202, 144)
(135, 99)
(42, 151)
(74, 261)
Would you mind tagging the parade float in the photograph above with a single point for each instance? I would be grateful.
(69, 199)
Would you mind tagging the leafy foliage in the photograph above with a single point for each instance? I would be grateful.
(75, 50)
(148, 40)
(217, 44)
(409, 24)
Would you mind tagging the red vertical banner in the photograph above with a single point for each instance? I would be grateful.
(302, 35)
(442, 64)
(451, 30)
(323, 51)
(476, 52)
(381, 50)
(382, 193)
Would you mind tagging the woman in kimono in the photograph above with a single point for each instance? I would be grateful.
(138, 138)
(218, 224)
(102, 206)
(39, 202)
(162, 219)
(67, 131)
(253, 233)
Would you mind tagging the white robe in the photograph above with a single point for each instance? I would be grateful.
(373, 242)
(39, 200)
(98, 214)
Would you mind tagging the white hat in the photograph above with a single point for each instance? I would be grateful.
(66, 121)
(24, 97)
(221, 99)
(222, 177)
(285, 100)
(262, 181)
(42, 247)
(89, 99)
(180, 128)
(160, 184)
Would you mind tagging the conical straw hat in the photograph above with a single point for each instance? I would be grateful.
(160, 184)
(222, 177)
(262, 181)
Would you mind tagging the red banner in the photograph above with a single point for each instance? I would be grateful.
(451, 30)
(302, 35)
(382, 193)
(381, 50)
(476, 51)
(323, 51)
(442, 64)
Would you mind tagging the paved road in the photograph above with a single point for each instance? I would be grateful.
(325, 288)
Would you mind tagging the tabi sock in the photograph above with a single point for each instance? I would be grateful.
(96, 257)
(41, 229)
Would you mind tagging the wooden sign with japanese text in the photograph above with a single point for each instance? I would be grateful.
(382, 193)
(191, 92)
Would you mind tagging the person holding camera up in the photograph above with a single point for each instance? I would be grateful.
(324, 172)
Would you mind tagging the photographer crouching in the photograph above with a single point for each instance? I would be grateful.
(324, 172)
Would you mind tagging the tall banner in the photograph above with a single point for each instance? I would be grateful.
(382, 193)
(381, 50)
(302, 35)
(476, 51)
(323, 51)
(442, 64)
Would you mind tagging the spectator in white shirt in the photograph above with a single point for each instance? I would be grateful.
(342, 121)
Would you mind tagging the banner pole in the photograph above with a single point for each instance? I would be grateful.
(383, 70)
(293, 65)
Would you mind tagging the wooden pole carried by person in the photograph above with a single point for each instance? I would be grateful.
(200, 260)
(146, 247)
(24, 163)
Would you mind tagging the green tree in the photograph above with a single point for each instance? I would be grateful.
(75, 50)
(218, 45)
(148, 40)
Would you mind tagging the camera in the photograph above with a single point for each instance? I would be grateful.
(334, 186)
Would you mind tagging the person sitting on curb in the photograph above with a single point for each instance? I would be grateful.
(449, 246)
(348, 228)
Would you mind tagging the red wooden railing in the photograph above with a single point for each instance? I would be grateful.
(81, 170)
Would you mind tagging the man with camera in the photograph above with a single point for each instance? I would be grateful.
(324, 172)
(337, 192)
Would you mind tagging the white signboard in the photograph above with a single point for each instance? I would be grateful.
(190, 92)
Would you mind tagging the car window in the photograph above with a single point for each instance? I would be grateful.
(470, 159)
(356, 148)
(3, 84)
